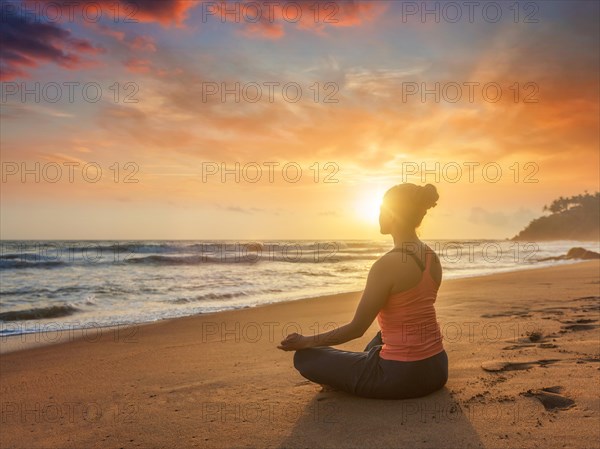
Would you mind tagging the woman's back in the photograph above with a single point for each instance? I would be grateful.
(409, 327)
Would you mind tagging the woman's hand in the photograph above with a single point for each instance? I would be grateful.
(293, 342)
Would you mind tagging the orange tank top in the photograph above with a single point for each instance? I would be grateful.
(409, 327)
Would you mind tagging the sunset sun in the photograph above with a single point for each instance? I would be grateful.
(367, 205)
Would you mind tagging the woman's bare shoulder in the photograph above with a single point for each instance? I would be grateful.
(392, 260)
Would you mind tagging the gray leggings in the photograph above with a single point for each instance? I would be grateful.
(366, 374)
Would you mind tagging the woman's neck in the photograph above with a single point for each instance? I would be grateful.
(405, 238)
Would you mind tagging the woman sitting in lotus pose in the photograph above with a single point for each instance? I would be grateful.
(406, 359)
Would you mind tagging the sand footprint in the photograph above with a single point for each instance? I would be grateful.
(541, 345)
(533, 339)
(547, 345)
(593, 306)
(495, 366)
(579, 320)
(551, 398)
(521, 346)
(511, 313)
(577, 327)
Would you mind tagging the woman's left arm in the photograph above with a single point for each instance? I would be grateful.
(373, 299)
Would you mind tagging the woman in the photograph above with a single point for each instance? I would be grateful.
(406, 359)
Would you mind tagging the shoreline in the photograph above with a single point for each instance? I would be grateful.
(27, 340)
(218, 381)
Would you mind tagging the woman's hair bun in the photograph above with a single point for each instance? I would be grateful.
(429, 196)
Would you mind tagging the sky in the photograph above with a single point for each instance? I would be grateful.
(190, 119)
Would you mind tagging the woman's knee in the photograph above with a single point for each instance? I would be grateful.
(302, 359)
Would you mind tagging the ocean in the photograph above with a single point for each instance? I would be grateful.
(55, 285)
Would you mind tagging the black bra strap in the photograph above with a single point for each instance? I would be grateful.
(413, 255)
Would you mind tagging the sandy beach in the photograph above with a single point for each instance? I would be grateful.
(524, 360)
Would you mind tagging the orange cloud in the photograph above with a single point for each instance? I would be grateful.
(267, 20)
(143, 43)
(136, 65)
(107, 31)
(165, 12)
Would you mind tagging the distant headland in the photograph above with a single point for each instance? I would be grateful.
(573, 218)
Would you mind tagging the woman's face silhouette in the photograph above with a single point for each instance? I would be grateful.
(391, 215)
(386, 219)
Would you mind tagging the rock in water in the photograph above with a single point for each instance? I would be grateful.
(581, 253)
